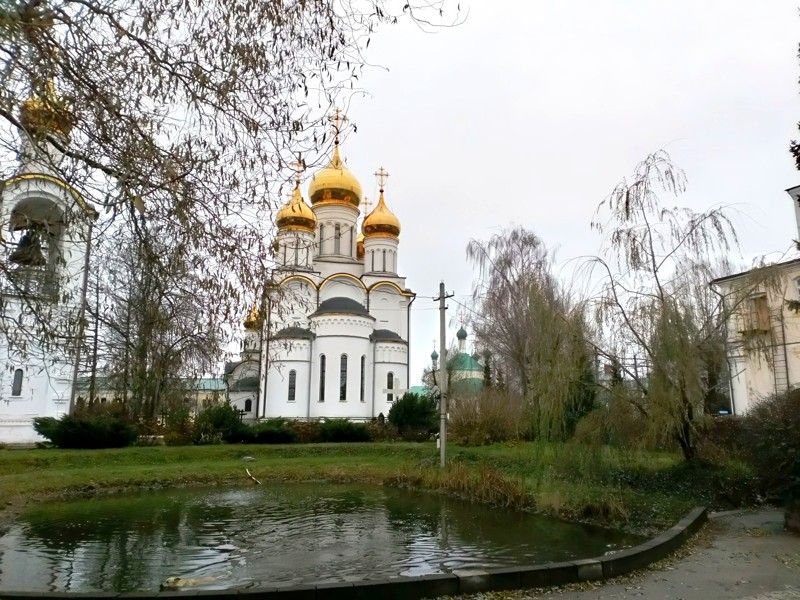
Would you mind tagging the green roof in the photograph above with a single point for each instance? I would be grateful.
(464, 362)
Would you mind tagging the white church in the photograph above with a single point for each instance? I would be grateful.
(44, 228)
(331, 338)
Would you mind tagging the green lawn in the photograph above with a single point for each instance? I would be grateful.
(635, 489)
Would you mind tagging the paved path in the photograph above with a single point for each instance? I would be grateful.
(742, 556)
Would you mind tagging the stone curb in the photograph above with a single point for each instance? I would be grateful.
(431, 586)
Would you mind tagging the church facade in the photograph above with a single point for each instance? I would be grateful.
(45, 227)
(330, 339)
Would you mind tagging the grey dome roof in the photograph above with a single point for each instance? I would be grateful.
(462, 333)
(341, 305)
(294, 332)
(385, 335)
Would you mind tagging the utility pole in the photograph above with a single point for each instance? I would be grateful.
(442, 374)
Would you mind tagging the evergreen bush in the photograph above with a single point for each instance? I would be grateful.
(342, 430)
(87, 431)
(272, 431)
(219, 423)
(414, 415)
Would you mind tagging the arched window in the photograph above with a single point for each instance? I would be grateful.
(389, 386)
(16, 385)
(372, 254)
(337, 239)
(352, 240)
(343, 378)
(292, 384)
(363, 376)
(322, 378)
(384, 261)
(296, 252)
(248, 405)
(321, 237)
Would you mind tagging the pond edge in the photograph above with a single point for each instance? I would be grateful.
(431, 586)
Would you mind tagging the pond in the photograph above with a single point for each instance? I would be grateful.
(277, 534)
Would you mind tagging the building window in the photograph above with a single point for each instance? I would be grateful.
(292, 384)
(390, 386)
(759, 314)
(321, 236)
(384, 261)
(322, 378)
(248, 405)
(352, 240)
(337, 239)
(343, 378)
(372, 254)
(363, 376)
(16, 385)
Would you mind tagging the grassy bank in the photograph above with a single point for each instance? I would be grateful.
(637, 490)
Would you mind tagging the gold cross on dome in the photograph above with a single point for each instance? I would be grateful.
(382, 175)
(298, 168)
(366, 205)
(338, 120)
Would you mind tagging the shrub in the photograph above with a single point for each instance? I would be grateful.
(178, 429)
(414, 414)
(219, 423)
(770, 441)
(87, 431)
(342, 430)
(381, 432)
(272, 431)
(494, 416)
(306, 432)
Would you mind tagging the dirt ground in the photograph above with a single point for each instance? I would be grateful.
(738, 555)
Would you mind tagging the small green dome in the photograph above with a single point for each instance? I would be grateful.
(434, 356)
(462, 333)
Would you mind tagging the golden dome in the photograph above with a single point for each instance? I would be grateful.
(47, 112)
(296, 215)
(381, 222)
(253, 320)
(335, 184)
(360, 246)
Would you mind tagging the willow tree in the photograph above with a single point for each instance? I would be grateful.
(177, 117)
(655, 329)
(533, 328)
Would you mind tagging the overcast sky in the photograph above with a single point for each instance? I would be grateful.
(530, 112)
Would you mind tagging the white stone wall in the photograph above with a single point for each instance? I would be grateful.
(339, 335)
(328, 217)
(390, 357)
(753, 374)
(47, 375)
(296, 249)
(380, 254)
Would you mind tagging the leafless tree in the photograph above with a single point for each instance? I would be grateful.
(184, 111)
(654, 302)
(533, 328)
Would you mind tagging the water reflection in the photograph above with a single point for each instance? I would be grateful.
(274, 534)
